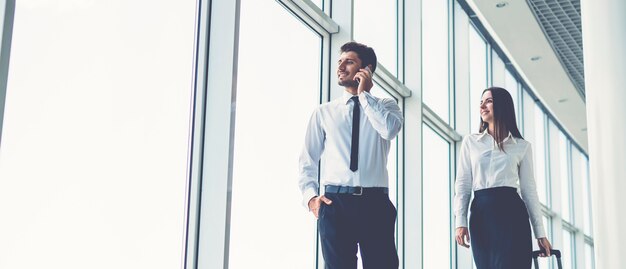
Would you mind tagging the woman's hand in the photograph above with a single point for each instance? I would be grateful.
(461, 235)
(544, 245)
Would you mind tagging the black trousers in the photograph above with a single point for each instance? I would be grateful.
(367, 220)
(500, 230)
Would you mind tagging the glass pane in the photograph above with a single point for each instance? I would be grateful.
(96, 127)
(539, 148)
(436, 198)
(528, 112)
(589, 259)
(547, 224)
(461, 73)
(478, 75)
(269, 226)
(568, 249)
(375, 25)
(435, 57)
(319, 3)
(555, 169)
(578, 174)
(587, 219)
(566, 202)
(497, 70)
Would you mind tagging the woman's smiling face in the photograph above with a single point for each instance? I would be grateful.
(486, 107)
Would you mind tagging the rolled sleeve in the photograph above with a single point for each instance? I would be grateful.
(384, 115)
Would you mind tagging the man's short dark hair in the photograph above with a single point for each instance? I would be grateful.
(365, 53)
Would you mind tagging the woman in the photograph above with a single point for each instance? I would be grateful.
(493, 163)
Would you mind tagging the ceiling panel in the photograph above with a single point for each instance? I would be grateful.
(560, 21)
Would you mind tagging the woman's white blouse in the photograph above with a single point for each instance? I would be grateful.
(483, 165)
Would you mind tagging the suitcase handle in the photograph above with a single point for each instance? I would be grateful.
(554, 252)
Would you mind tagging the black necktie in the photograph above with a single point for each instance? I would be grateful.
(354, 150)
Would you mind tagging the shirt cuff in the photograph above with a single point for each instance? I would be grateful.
(539, 232)
(307, 195)
(461, 221)
(364, 99)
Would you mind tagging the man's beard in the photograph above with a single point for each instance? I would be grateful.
(348, 83)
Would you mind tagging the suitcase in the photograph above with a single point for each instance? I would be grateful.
(554, 252)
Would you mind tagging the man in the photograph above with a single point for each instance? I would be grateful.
(352, 135)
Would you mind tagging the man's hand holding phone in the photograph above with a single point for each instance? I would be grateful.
(364, 78)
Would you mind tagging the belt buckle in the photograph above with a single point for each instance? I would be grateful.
(360, 189)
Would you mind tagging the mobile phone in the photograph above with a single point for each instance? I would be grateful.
(366, 68)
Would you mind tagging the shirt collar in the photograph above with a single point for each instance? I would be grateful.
(510, 137)
(346, 97)
(481, 135)
(485, 133)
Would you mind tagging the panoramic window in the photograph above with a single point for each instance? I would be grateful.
(540, 155)
(375, 25)
(275, 100)
(566, 202)
(96, 133)
(436, 214)
(435, 91)
(478, 75)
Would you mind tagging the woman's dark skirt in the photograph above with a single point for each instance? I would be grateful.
(500, 230)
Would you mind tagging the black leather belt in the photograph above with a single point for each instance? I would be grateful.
(355, 190)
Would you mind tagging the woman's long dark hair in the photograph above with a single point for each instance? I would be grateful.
(503, 116)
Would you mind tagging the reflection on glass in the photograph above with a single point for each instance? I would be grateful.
(539, 148)
(269, 226)
(435, 57)
(436, 200)
(94, 153)
(478, 74)
(375, 25)
(566, 202)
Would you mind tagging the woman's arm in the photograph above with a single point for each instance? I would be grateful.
(528, 189)
(463, 184)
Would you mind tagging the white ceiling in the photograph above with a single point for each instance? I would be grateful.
(516, 30)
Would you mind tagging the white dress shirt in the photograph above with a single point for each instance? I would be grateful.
(483, 165)
(329, 135)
